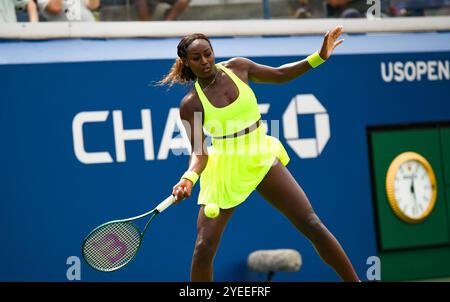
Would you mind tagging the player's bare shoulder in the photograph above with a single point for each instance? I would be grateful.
(238, 63)
(240, 66)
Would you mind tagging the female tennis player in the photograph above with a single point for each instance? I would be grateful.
(242, 157)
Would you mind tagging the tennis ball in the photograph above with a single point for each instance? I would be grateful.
(212, 210)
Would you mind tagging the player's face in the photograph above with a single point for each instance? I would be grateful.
(201, 59)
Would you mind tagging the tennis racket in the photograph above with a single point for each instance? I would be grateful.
(114, 244)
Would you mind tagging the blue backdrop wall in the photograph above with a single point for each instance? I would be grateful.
(50, 199)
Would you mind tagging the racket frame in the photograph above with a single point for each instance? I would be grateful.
(154, 212)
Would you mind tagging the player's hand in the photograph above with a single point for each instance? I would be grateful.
(329, 42)
(182, 190)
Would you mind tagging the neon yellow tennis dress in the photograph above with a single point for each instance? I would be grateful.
(236, 165)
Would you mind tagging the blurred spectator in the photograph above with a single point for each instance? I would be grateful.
(146, 8)
(406, 8)
(8, 10)
(346, 8)
(32, 11)
(303, 9)
(68, 10)
(31, 14)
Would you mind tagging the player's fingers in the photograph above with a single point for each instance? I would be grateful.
(177, 193)
(186, 192)
(174, 193)
(176, 198)
(338, 42)
(337, 31)
(180, 193)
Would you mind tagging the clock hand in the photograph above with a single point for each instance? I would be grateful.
(413, 191)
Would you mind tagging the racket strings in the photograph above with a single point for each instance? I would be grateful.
(111, 246)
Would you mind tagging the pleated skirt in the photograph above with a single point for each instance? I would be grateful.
(237, 165)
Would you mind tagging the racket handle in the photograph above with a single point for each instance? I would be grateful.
(166, 203)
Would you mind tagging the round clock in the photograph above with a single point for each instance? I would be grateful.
(411, 187)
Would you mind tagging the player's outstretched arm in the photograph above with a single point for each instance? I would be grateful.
(259, 73)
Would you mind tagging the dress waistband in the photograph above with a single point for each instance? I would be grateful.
(242, 132)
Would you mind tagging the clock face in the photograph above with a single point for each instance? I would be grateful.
(413, 189)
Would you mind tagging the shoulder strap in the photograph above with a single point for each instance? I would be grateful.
(231, 74)
(201, 95)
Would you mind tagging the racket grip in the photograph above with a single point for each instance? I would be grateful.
(166, 203)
